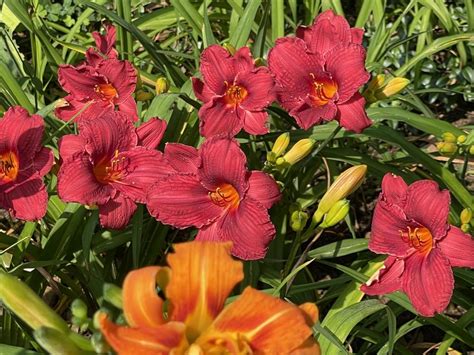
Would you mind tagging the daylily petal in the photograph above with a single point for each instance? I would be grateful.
(386, 280)
(181, 201)
(144, 167)
(150, 133)
(249, 228)
(385, 237)
(201, 90)
(183, 158)
(307, 115)
(70, 145)
(328, 31)
(108, 133)
(203, 275)
(263, 188)
(121, 74)
(309, 347)
(458, 247)
(276, 328)
(255, 122)
(357, 34)
(21, 133)
(77, 182)
(117, 212)
(223, 162)
(394, 190)
(429, 206)
(93, 57)
(260, 86)
(351, 114)
(243, 60)
(28, 201)
(428, 281)
(43, 161)
(130, 341)
(105, 43)
(346, 63)
(129, 107)
(79, 82)
(217, 68)
(216, 117)
(142, 306)
(81, 110)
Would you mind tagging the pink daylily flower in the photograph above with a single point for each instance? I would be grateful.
(410, 224)
(234, 91)
(319, 74)
(213, 191)
(111, 164)
(105, 46)
(23, 163)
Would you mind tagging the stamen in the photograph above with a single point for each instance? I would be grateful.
(225, 196)
(9, 166)
(419, 238)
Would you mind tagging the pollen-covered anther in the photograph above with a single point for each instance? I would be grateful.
(107, 92)
(323, 90)
(419, 238)
(225, 196)
(8, 167)
(235, 94)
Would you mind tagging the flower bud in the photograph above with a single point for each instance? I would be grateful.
(281, 143)
(343, 186)
(461, 139)
(471, 150)
(299, 151)
(79, 309)
(99, 344)
(465, 227)
(27, 305)
(466, 215)
(54, 342)
(142, 95)
(376, 83)
(393, 87)
(448, 137)
(113, 295)
(230, 48)
(336, 214)
(446, 148)
(162, 85)
(298, 220)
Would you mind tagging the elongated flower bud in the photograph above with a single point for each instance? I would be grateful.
(113, 295)
(466, 215)
(448, 137)
(21, 300)
(54, 342)
(281, 143)
(297, 153)
(394, 86)
(465, 227)
(162, 85)
(461, 139)
(298, 220)
(446, 148)
(343, 186)
(336, 214)
(376, 83)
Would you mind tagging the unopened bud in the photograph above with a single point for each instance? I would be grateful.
(113, 295)
(471, 150)
(54, 342)
(447, 148)
(448, 137)
(142, 95)
(461, 139)
(465, 227)
(298, 220)
(299, 151)
(466, 215)
(393, 87)
(79, 309)
(230, 48)
(343, 186)
(162, 85)
(281, 143)
(28, 306)
(336, 214)
(376, 83)
(99, 344)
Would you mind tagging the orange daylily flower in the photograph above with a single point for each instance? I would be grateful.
(192, 320)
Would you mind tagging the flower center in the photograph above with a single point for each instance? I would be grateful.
(322, 90)
(225, 196)
(107, 92)
(9, 167)
(419, 238)
(221, 344)
(110, 171)
(235, 94)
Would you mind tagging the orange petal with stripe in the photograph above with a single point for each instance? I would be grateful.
(309, 347)
(268, 324)
(203, 275)
(142, 306)
(134, 341)
(311, 313)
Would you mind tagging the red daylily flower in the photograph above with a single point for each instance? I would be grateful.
(318, 75)
(111, 164)
(213, 191)
(105, 46)
(23, 163)
(235, 93)
(197, 283)
(410, 224)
